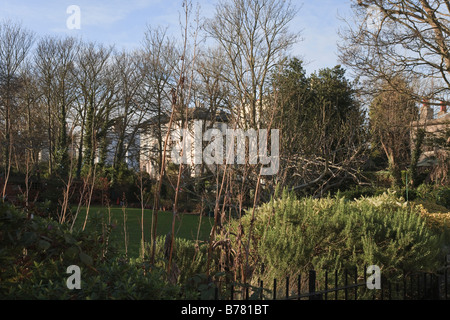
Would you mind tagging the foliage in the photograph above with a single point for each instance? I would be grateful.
(113, 280)
(439, 195)
(189, 257)
(358, 192)
(322, 127)
(443, 197)
(390, 114)
(425, 191)
(415, 156)
(36, 252)
(335, 234)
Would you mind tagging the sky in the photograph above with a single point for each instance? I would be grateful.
(123, 22)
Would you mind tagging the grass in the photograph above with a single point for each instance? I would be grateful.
(186, 226)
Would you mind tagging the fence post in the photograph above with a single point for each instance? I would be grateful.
(389, 289)
(404, 286)
(446, 280)
(397, 291)
(335, 284)
(287, 287)
(262, 290)
(425, 295)
(435, 287)
(346, 285)
(447, 264)
(418, 286)
(274, 289)
(312, 284)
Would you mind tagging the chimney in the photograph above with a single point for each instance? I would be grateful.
(443, 110)
(426, 113)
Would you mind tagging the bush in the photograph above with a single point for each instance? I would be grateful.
(440, 195)
(425, 192)
(358, 192)
(443, 197)
(36, 252)
(189, 257)
(112, 280)
(293, 235)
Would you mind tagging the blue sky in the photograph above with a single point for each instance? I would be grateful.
(123, 22)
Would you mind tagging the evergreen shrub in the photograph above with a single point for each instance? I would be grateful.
(292, 236)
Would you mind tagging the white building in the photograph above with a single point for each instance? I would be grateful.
(152, 141)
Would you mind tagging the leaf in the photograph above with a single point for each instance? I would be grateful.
(86, 259)
(46, 238)
(28, 238)
(69, 239)
(34, 226)
(72, 251)
(43, 245)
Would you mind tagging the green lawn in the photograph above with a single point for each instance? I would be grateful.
(186, 226)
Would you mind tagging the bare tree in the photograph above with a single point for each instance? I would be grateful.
(54, 62)
(391, 114)
(211, 91)
(33, 115)
(29, 119)
(15, 44)
(96, 98)
(255, 36)
(130, 111)
(45, 64)
(160, 57)
(388, 39)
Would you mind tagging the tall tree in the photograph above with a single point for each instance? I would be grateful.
(45, 64)
(391, 39)
(97, 91)
(65, 97)
(254, 35)
(33, 116)
(160, 57)
(391, 114)
(322, 128)
(15, 44)
(54, 60)
(211, 90)
(130, 110)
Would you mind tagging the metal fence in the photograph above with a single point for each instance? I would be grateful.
(346, 285)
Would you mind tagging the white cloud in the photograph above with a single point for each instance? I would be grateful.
(111, 12)
(124, 22)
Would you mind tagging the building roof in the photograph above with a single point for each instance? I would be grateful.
(198, 113)
(441, 120)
